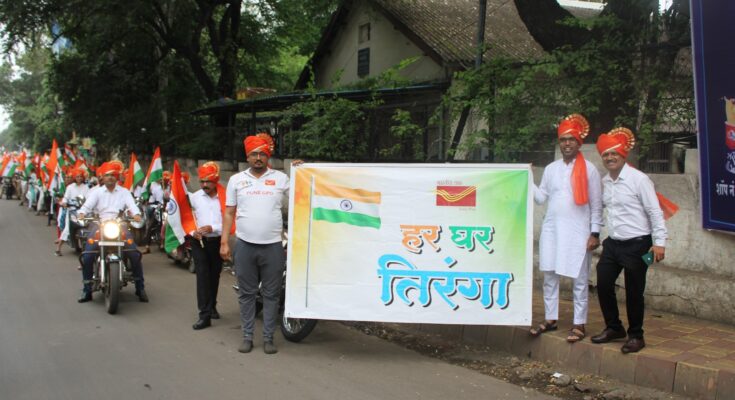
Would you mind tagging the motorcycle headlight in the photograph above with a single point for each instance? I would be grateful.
(111, 230)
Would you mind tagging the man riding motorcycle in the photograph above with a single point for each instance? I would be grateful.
(107, 201)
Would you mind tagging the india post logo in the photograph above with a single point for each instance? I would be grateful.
(456, 196)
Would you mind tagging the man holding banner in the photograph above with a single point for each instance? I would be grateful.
(571, 227)
(255, 201)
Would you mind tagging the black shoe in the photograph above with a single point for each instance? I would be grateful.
(608, 335)
(269, 347)
(633, 345)
(85, 297)
(246, 346)
(201, 324)
(142, 296)
(215, 314)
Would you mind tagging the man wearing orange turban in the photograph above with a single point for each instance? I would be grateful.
(571, 227)
(254, 202)
(76, 189)
(208, 205)
(107, 201)
(636, 227)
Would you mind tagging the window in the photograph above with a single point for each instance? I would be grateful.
(363, 34)
(363, 62)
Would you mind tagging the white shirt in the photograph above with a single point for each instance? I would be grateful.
(156, 193)
(567, 226)
(137, 191)
(207, 211)
(74, 190)
(632, 207)
(259, 202)
(108, 203)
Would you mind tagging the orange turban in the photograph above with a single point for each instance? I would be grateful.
(575, 125)
(620, 139)
(110, 167)
(185, 175)
(78, 171)
(166, 175)
(260, 142)
(209, 171)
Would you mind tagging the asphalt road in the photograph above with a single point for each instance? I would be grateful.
(51, 347)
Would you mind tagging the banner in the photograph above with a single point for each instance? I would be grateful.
(418, 243)
(714, 63)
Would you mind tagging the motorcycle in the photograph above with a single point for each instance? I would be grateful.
(182, 254)
(112, 269)
(138, 228)
(77, 228)
(293, 329)
(8, 188)
(155, 224)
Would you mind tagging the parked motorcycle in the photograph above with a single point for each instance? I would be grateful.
(112, 268)
(155, 224)
(77, 228)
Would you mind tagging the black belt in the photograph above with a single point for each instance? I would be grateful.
(631, 240)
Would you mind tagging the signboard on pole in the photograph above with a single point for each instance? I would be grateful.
(418, 243)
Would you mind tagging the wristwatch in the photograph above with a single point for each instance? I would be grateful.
(595, 235)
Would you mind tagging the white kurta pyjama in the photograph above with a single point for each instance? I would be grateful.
(564, 235)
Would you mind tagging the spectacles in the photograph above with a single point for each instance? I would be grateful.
(258, 154)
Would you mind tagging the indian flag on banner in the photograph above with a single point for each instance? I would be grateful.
(9, 169)
(180, 218)
(338, 204)
(155, 172)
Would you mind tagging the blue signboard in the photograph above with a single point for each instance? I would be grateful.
(714, 75)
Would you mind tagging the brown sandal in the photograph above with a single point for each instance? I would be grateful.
(576, 334)
(546, 326)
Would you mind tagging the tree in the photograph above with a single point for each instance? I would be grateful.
(619, 68)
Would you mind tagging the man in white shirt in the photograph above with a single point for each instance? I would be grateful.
(571, 226)
(635, 225)
(107, 201)
(255, 199)
(77, 188)
(207, 204)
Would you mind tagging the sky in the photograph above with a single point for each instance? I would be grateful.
(4, 122)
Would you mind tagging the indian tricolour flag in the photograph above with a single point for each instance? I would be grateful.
(155, 172)
(10, 167)
(135, 173)
(180, 221)
(338, 204)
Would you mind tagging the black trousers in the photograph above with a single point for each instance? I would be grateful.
(208, 268)
(617, 256)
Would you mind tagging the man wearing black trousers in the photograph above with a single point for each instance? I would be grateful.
(207, 205)
(635, 224)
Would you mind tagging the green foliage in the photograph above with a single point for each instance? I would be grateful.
(625, 72)
(407, 134)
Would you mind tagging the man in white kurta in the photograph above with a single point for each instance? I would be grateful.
(571, 226)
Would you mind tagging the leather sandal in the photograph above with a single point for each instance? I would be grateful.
(576, 334)
(546, 326)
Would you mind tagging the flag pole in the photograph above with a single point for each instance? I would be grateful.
(308, 244)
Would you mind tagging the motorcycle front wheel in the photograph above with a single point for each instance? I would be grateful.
(112, 289)
(296, 329)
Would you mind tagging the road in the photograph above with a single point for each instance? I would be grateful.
(51, 347)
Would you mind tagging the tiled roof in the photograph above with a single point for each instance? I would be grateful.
(449, 28)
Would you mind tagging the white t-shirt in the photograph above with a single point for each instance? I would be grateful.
(108, 203)
(156, 193)
(75, 190)
(259, 202)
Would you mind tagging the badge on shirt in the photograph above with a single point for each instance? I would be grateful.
(270, 182)
(245, 184)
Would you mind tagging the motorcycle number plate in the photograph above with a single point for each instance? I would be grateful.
(110, 243)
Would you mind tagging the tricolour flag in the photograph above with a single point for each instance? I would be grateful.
(135, 173)
(53, 168)
(180, 219)
(70, 154)
(155, 173)
(338, 204)
(9, 169)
